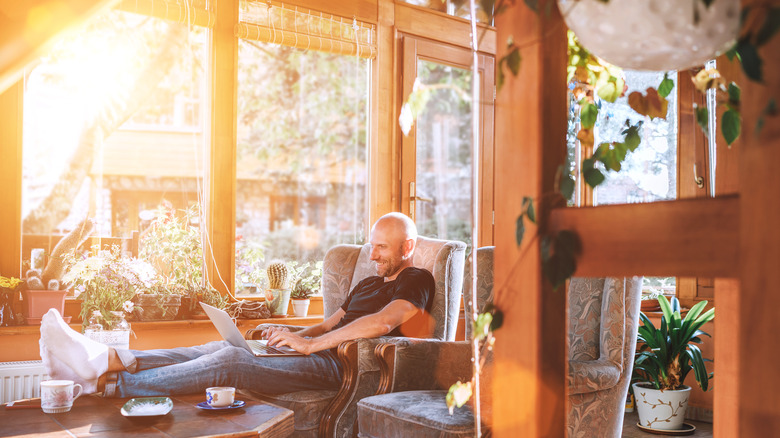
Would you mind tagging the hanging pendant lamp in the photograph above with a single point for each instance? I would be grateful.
(657, 35)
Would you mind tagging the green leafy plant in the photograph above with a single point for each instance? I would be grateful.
(172, 244)
(668, 353)
(307, 279)
(108, 281)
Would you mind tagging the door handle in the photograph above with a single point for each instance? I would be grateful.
(413, 197)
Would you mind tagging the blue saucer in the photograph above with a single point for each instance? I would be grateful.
(236, 404)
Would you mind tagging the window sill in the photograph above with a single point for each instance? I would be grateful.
(21, 342)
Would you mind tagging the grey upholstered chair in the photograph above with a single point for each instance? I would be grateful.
(333, 413)
(419, 372)
(603, 316)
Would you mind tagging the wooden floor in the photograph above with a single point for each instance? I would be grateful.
(630, 429)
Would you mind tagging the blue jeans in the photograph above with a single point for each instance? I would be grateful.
(189, 370)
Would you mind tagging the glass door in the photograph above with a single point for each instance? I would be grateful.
(437, 155)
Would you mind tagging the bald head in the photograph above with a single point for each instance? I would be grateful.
(393, 239)
(398, 225)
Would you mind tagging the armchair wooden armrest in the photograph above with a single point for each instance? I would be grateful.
(255, 332)
(361, 379)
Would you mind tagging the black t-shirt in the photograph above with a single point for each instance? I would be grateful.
(372, 294)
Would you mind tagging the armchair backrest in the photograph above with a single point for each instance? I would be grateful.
(597, 317)
(346, 265)
(484, 284)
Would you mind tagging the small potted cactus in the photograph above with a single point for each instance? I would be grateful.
(278, 295)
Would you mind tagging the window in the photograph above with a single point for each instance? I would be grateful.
(301, 157)
(113, 128)
(649, 173)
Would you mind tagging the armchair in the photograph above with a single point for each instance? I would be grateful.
(333, 413)
(603, 316)
(416, 374)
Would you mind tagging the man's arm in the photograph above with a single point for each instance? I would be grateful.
(370, 326)
(311, 331)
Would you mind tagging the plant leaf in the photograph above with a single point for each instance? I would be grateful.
(528, 208)
(730, 126)
(593, 177)
(513, 60)
(734, 92)
(561, 265)
(519, 230)
(588, 114)
(566, 184)
(751, 61)
(702, 118)
(632, 139)
(666, 86)
(650, 104)
(458, 394)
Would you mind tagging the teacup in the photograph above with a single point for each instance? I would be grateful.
(220, 396)
(57, 396)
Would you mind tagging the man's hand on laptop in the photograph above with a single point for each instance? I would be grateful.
(266, 334)
(279, 338)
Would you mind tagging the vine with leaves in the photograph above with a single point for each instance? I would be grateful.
(592, 80)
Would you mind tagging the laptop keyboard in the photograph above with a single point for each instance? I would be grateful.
(259, 347)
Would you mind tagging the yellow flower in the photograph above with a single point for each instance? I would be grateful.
(9, 282)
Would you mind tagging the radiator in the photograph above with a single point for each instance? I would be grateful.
(19, 380)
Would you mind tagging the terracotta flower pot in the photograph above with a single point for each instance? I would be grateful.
(38, 302)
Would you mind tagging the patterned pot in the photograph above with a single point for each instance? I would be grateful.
(278, 301)
(154, 307)
(658, 409)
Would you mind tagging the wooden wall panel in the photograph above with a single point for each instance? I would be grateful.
(383, 157)
(686, 237)
(219, 249)
(758, 387)
(11, 102)
(529, 395)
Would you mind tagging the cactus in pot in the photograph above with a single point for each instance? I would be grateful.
(278, 296)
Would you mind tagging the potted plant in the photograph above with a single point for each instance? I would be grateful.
(306, 285)
(107, 282)
(664, 359)
(278, 295)
(8, 290)
(172, 244)
(300, 299)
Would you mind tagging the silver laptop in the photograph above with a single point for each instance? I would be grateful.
(230, 333)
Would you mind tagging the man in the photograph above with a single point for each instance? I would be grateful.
(376, 306)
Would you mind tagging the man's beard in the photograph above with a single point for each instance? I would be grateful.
(387, 269)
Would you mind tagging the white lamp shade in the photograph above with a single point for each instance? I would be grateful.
(654, 35)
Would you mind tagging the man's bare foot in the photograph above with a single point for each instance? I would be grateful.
(56, 369)
(89, 359)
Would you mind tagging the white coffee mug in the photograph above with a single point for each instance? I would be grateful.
(220, 396)
(57, 396)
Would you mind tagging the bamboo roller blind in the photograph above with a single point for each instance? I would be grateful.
(194, 12)
(302, 28)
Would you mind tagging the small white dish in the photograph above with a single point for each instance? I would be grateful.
(236, 404)
(147, 407)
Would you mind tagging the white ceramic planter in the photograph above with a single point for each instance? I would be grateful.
(664, 410)
(301, 307)
(653, 34)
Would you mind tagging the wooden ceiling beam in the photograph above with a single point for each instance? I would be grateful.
(693, 237)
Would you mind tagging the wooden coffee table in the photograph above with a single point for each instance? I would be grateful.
(94, 416)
